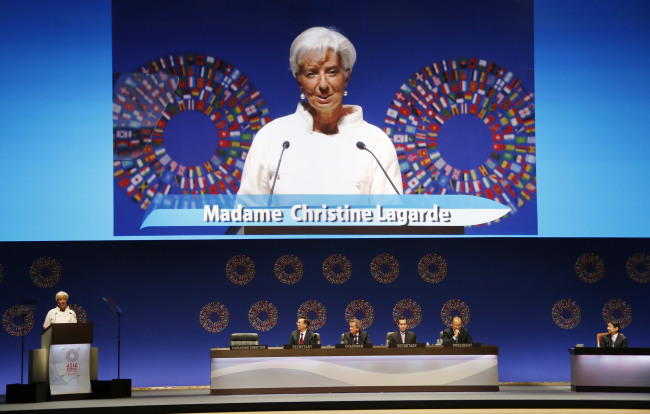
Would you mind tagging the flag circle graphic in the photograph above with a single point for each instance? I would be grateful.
(621, 306)
(366, 308)
(411, 306)
(575, 314)
(255, 311)
(637, 268)
(337, 269)
(52, 269)
(316, 307)
(9, 317)
(240, 269)
(144, 103)
(472, 87)
(454, 305)
(432, 260)
(289, 269)
(590, 268)
(384, 268)
(82, 316)
(210, 309)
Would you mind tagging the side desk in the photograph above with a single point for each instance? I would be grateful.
(610, 369)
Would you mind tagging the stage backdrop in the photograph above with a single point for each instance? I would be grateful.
(534, 298)
(61, 197)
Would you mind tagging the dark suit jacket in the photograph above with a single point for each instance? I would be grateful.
(364, 338)
(308, 339)
(396, 338)
(463, 337)
(606, 341)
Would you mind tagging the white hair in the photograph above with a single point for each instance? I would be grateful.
(321, 39)
(61, 293)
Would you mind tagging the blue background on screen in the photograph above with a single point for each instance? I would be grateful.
(257, 45)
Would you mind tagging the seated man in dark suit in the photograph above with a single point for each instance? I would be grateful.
(613, 339)
(456, 334)
(402, 336)
(356, 335)
(302, 335)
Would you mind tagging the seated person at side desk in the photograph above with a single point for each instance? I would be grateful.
(456, 334)
(302, 335)
(402, 336)
(62, 313)
(613, 339)
(356, 335)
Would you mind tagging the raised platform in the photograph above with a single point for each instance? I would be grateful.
(199, 400)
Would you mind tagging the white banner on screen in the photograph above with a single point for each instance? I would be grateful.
(322, 210)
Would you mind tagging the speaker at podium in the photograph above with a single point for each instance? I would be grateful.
(66, 360)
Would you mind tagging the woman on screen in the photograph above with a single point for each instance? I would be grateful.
(62, 313)
(325, 146)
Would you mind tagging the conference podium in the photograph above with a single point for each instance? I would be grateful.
(354, 369)
(66, 360)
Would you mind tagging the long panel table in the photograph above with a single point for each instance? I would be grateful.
(610, 369)
(329, 369)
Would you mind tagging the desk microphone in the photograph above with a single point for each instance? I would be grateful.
(285, 145)
(362, 146)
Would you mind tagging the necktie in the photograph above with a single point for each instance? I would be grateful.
(403, 338)
(301, 334)
(356, 339)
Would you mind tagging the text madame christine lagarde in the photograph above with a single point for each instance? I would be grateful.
(301, 213)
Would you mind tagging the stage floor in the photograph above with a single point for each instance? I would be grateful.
(511, 398)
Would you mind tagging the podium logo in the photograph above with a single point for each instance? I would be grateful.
(72, 355)
(71, 368)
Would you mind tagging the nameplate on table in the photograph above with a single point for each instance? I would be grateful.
(478, 345)
(247, 347)
(353, 346)
(304, 346)
(407, 346)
